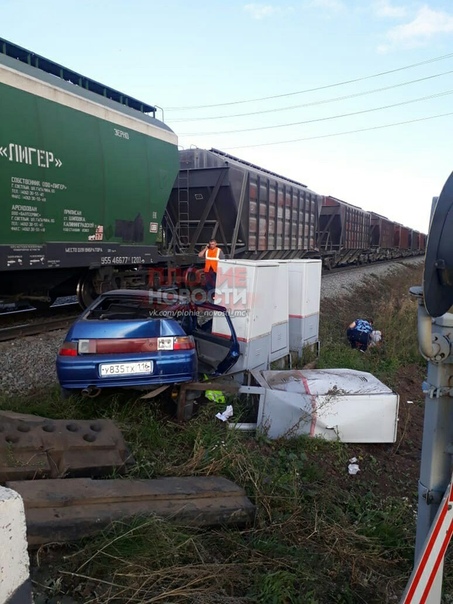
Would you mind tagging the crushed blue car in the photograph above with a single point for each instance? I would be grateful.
(143, 339)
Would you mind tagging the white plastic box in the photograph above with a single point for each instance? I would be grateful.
(280, 314)
(304, 278)
(246, 288)
(337, 404)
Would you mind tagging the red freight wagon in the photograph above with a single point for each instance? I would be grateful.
(423, 238)
(415, 240)
(402, 237)
(382, 231)
(344, 231)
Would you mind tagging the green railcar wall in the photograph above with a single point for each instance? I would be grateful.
(67, 176)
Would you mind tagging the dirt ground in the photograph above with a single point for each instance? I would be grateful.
(394, 469)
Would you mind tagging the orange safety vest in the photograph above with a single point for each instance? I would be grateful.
(212, 259)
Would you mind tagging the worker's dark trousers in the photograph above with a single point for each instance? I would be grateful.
(210, 281)
(358, 339)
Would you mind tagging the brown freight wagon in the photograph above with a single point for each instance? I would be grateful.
(252, 212)
(382, 235)
(414, 241)
(344, 233)
(401, 240)
(423, 238)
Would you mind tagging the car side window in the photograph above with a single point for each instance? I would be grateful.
(204, 319)
(117, 309)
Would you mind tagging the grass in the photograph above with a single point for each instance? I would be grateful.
(387, 301)
(318, 537)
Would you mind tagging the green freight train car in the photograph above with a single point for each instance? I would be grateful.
(85, 175)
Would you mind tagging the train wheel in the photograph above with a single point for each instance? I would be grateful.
(85, 291)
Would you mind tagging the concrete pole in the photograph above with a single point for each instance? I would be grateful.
(15, 585)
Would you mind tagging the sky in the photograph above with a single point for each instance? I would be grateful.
(353, 98)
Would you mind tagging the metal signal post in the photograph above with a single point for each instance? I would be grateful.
(435, 500)
(435, 337)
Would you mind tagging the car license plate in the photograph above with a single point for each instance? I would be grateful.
(117, 369)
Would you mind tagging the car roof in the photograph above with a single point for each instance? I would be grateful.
(158, 295)
(168, 295)
(133, 292)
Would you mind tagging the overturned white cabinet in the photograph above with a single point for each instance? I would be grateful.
(337, 404)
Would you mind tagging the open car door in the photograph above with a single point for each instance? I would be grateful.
(217, 352)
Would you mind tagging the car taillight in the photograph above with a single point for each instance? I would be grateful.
(69, 349)
(130, 345)
(124, 345)
(86, 346)
(183, 343)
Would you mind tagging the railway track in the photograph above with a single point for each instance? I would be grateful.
(30, 322)
(370, 266)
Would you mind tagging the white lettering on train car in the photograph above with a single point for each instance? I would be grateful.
(29, 155)
(121, 133)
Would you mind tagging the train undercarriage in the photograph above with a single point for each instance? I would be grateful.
(40, 288)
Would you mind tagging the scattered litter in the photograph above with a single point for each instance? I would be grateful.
(410, 402)
(226, 414)
(375, 337)
(247, 427)
(215, 396)
(353, 468)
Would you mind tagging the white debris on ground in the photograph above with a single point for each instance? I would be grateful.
(225, 415)
(27, 364)
(353, 467)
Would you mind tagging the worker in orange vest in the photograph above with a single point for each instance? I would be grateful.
(212, 254)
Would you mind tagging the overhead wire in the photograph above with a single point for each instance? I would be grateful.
(322, 119)
(325, 87)
(321, 102)
(315, 103)
(310, 138)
